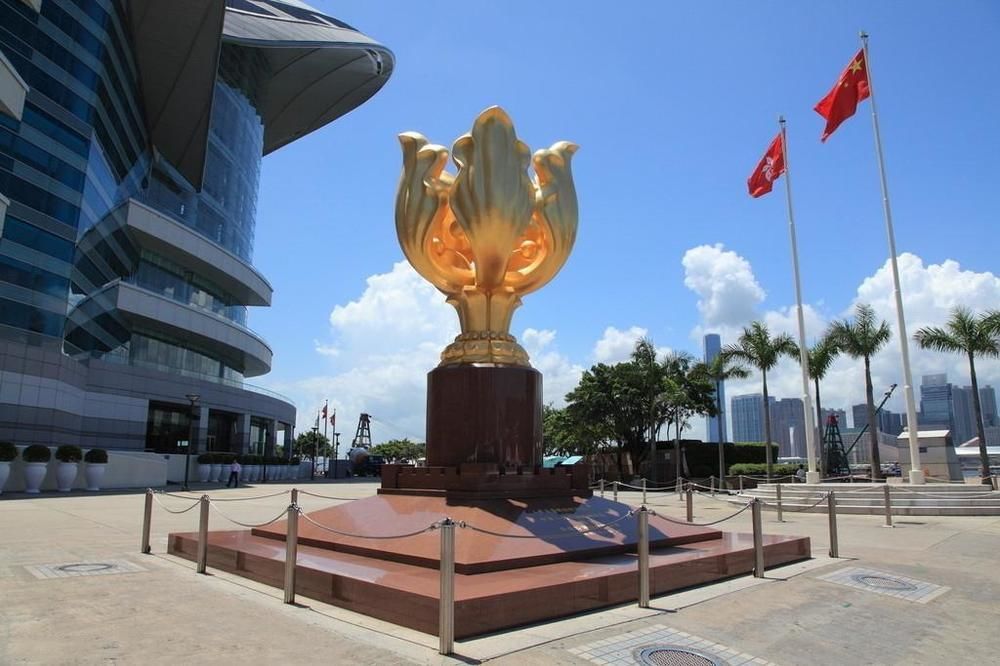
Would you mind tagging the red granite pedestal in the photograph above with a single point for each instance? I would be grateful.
(531, 543)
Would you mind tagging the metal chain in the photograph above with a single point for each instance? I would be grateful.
(327, 528)
(251, 525)
(255, 497)
(169, 510)
(547, 536)
(714, 522)
(311, 494)
(784, 506)
(964, 495)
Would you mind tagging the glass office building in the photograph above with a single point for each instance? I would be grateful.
(131, 137)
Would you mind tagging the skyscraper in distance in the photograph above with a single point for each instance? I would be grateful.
(715, 426)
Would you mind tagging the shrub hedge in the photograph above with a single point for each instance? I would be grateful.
(8, 452)
(703, 457)
(96, 457)
(36, 453)
(69, 453)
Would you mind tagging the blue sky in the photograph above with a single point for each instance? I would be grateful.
(672, 105)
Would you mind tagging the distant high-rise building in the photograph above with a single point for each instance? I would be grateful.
(937, 409)
(788, 427)
(965, 411)
(715, 426)
(748, 417)
(889, 422)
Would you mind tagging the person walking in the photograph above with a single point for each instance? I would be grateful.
(234, 474)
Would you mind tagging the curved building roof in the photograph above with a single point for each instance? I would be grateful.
(318, 69)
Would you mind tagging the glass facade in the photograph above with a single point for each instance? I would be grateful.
(80, 150)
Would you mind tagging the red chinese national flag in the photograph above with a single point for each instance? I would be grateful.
(324, 412)
(768, 169)
(842, 101)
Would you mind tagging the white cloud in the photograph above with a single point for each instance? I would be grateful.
(559, 374)
(725, 284)
(929, 294)
(616, 345)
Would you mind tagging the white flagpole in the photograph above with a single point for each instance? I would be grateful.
(812, 476)
(916, 470)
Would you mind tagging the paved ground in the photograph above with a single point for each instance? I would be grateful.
(935, 601)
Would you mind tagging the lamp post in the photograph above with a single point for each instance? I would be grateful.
(193, 417)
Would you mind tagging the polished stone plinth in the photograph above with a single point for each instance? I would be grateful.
(484, 414)
(501, 580)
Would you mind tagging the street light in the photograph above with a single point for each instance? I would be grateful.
(315, 449)
(192, 429)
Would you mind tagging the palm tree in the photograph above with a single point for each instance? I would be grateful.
(821, 357)
(757, 348)
(863, 338)
(972, 335)
(717, 371)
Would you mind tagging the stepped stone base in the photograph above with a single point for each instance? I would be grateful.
(569, 565)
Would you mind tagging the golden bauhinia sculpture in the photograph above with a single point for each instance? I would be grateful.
(489, 234)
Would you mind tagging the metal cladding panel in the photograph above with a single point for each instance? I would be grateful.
(319, 72)
(176, 45)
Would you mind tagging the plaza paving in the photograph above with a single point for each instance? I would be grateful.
(924, 592)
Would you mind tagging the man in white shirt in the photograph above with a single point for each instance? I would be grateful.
(234, 474)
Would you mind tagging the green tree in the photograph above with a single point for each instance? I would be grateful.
(863, 338)
(721, 369)
(972, 335)
(757, 348)
(310, 444)
(563, 435)
(821, 357)
(399, 450)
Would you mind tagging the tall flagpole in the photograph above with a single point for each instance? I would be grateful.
(916, 471)
(812, 476)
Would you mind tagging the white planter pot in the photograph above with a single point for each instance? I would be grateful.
(223, 473)
(215, 473)
(94, 473)
(4, 473)
(34, 473)
(66, 475)
(203, 472)
(254, 474)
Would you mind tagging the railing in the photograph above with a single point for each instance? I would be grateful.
(447, 527)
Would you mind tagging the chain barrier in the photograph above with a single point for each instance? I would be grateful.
(255, 497)
(312, 494)
(327, 528)
(720, 499)
(548, 537)
(281, 515)
(784, 505)
(169, 510)
(714, 522)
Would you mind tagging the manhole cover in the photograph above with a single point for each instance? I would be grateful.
(85, 568)
(672, 655)
(884, 582)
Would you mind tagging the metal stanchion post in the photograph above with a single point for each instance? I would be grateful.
(888, 505)
(602, 487)
(741, 483)
(777, 488)
(644, 491)
(711, 484)
(203, 535)
(615, 490)
(291, 551)
(446, 606)
(758, 539)
(680, 487)
(831, 510)
(690, 504)
(295, 496)
(147, 517)
(643, 549)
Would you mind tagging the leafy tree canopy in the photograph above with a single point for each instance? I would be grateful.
(399, 450)
(310, 444)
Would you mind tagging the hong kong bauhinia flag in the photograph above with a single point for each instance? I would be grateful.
(768, 169)
(842, 101)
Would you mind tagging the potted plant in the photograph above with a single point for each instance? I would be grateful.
(247, 461)
(216, 471)
(8, 452)
(97, 463)
(204, 467)
(36, 461)
(227, 460)
(296, 464)
(69, 457)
